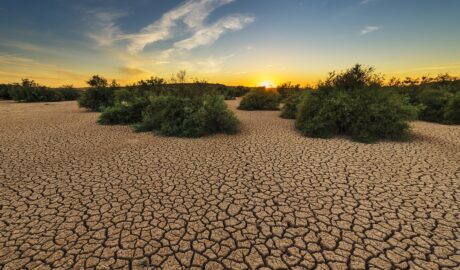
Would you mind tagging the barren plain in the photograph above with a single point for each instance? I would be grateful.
(75, 195)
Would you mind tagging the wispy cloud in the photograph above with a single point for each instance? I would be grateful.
(130, 71)
(210, 34)
(363, 2)
(192, 13)
(105, 29)
(188, 18)
(369, 29)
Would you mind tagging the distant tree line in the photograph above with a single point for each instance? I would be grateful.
(30, 91)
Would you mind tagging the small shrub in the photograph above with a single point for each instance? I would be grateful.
(289, 110)
(287, 90)
(356, 78)
(4, 91)
(216, 116)
(434, 103)
(188, 117)
(99, 96)
(324, 114)
(452, 110)
(259, 100)
(353, 103)
(365, 115)
(123, 114)
(378, 115)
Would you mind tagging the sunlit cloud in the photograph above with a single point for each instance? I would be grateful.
(210, 34)
(369, 29)
(187, 18)
(191, 13)
(131, 71)
(106, 30)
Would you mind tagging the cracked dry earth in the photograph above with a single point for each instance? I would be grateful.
(77, 195)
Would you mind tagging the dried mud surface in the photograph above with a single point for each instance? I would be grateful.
(77, 195)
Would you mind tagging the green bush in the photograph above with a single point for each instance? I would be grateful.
(353, 103)
(259, 100)
(434, 103)
(123, 113)
(379, 115)
(5, 91)
(356, 78)
(365, 115)
(29, 91)
(452, 110)
(188, 117)
(287, 90)
(289, 110)
(324, 114)
(99, 96)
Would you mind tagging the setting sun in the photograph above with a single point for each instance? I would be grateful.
(267, 84)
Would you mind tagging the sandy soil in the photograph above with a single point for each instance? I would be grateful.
(77, 195)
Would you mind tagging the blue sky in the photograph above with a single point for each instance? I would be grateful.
(246, 42)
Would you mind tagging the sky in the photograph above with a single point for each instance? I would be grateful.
(235, 42)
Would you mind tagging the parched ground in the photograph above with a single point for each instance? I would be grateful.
(77, 195)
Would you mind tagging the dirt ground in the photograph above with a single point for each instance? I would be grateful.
(74, 195)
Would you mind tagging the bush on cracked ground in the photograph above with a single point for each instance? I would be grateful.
(439, 105)
(289, 110)
(452, 110)
(188, 117)
(100, 94)
(260, 99)
(125, 113)
(352, 103)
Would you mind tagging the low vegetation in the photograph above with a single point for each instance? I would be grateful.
(354, 103)
(436, 97)
(452, 110)
(179, 109)
(260, 99)
(5, 91)
(99, 96)
(351, 103)
(188, 117)
(289, 109)
(287, 90)
(123, 113)
(30, 91)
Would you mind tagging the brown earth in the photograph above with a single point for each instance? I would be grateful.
(77, 195)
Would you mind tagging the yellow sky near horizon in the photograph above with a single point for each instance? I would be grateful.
(56, 78)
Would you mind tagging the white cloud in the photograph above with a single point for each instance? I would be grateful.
(189, 17)
(105, 29)
(210, 34)
(192, 13)
(369, 29)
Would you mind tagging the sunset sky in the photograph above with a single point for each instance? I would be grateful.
(236, 42)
